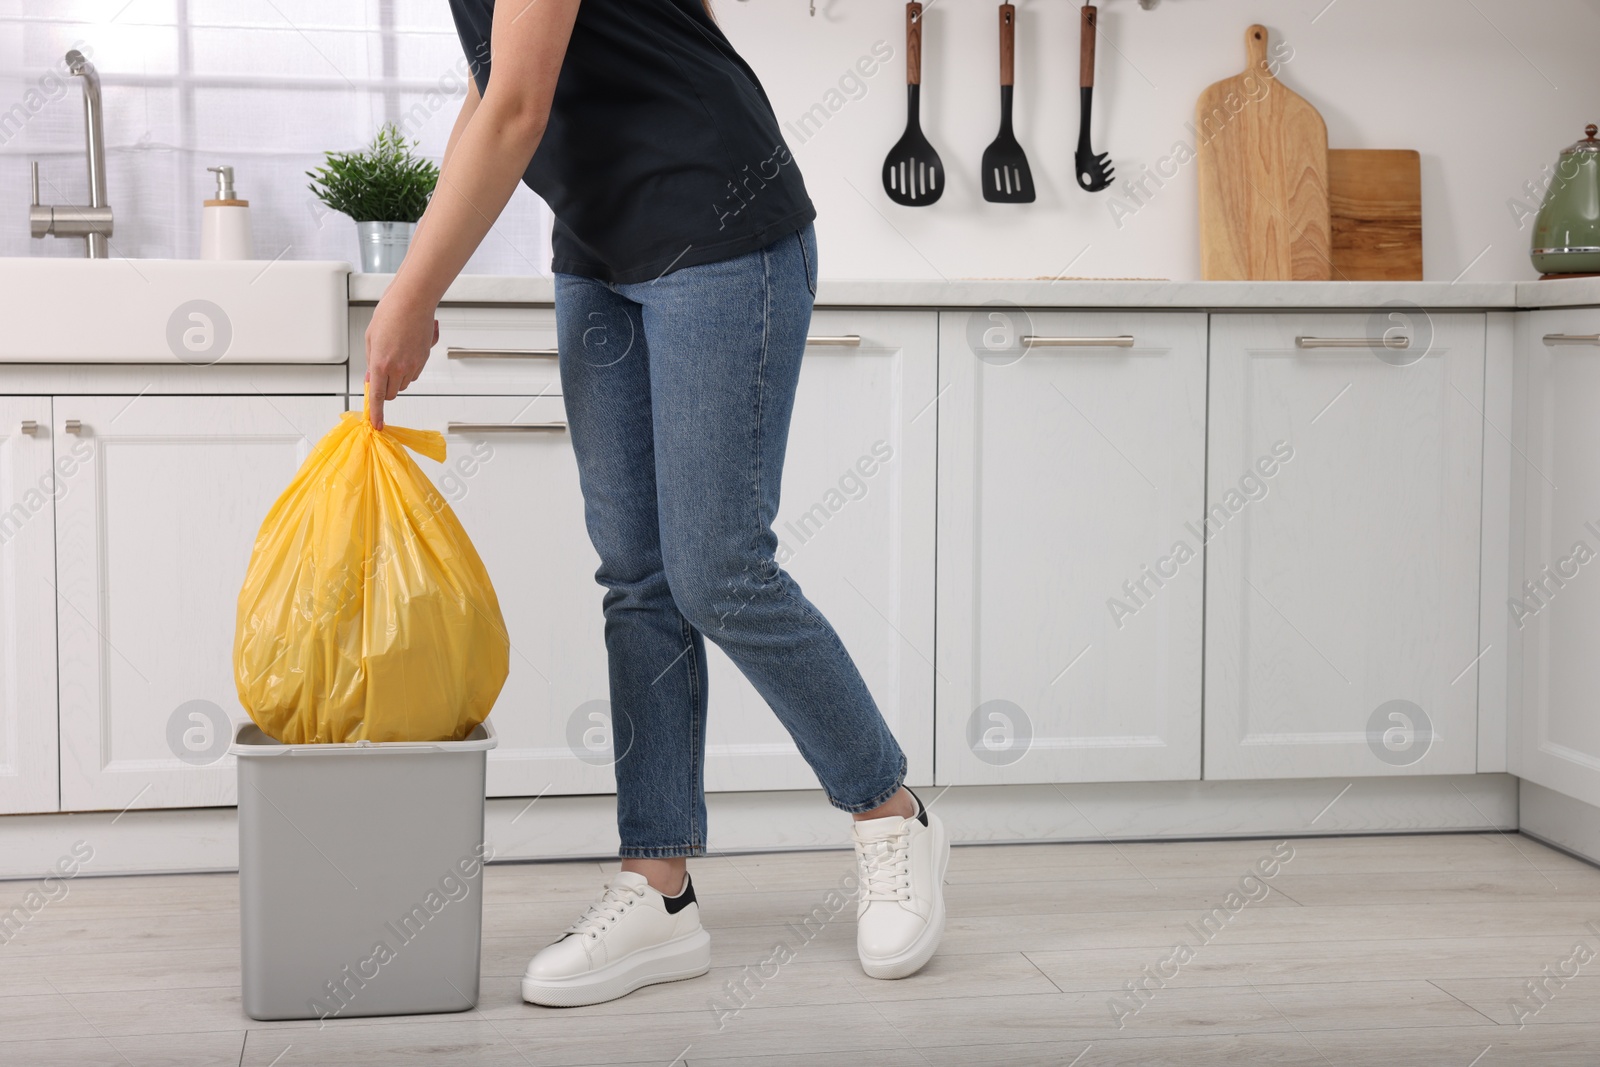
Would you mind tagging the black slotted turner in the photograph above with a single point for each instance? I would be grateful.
(913, 175)
(1006, 177)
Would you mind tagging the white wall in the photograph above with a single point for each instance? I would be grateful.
(1488, 91)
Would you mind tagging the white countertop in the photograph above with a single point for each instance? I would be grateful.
(534, 290)
(1557, 293)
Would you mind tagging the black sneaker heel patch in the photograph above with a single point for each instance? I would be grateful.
(682, 900)
(922, 812)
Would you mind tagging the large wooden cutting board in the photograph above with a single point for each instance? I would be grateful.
(1375, 200)
(1263, 161)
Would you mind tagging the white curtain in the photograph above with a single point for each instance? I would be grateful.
(265, 86)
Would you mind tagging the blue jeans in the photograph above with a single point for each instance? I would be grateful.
(678, 393)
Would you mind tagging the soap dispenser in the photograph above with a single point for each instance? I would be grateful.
(225, 221)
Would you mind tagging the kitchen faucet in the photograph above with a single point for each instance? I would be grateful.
(92, 222)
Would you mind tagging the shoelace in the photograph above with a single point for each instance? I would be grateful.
(886, 867)
(618, 897)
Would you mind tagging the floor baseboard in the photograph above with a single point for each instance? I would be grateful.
(1559, 821)
(580, 827)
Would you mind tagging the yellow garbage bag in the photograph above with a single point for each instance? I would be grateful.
(366, 613)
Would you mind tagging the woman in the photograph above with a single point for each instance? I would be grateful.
(685, 269)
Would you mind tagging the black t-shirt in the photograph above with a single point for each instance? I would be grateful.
(662, 150)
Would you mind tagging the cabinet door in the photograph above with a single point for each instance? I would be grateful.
(514, 486)
(29, 488)
(860, 544)
(152, 541)
(1343, 496)
(1071, 480)
(1555, 607)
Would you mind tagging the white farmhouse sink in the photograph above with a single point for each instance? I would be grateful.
(172, 311)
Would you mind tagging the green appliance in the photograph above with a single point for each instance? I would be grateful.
(1566, 237)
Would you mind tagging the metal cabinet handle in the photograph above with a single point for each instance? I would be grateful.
(844, 340)
(1398, 341)
(1123, 341)
(74, 426)
(505, 427)
(30, 427)
(1572, 338)
(454, 352)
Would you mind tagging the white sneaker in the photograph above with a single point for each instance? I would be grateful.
(900, 915)
(633, 936)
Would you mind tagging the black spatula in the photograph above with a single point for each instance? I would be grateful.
(1094, 170)
(1006, 177)
(913, 175)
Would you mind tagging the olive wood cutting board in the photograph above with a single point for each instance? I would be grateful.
(1375, 204)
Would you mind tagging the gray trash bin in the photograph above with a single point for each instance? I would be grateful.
(360, 875)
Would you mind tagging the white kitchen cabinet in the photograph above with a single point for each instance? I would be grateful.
(1555, 606)
(1343, 495)
(152, 539)
(861, 547)
(29, 488)
(1071, 482)
(510, 477)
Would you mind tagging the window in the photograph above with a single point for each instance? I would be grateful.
(263, 85)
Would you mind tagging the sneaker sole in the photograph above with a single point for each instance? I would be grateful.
(922, 949)
(688, 956)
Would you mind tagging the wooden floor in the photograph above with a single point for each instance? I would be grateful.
(1372, 950)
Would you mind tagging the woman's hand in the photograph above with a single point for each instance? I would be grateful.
(399, 339)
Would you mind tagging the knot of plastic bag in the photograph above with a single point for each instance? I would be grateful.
(428, 443)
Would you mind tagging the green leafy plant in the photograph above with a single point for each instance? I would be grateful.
(383, 182)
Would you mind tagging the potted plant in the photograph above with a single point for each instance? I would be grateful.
(384, 187)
